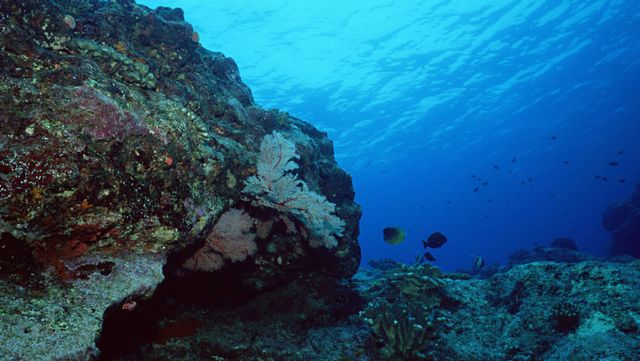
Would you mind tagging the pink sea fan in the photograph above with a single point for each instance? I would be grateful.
(231, 239)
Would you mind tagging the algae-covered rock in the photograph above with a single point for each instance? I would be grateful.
(124, 141)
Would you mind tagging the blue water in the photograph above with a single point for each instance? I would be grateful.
(420, 95)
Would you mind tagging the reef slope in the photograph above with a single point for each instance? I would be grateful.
(125, 150)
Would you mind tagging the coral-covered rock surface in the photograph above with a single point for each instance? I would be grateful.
(543, 310)
(125, 149)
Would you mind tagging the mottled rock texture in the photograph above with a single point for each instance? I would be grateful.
(122, 143)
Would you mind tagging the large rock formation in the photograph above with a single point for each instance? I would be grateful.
(125, 149)
(623, 221)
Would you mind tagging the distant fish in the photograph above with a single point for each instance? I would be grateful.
(530, 180)
(566, 162)
(522, 183)
(596, 176)
(614, 163)
(622, 180)
(428, 256)
(448, 202)
(553, 137)
(474, 176)
(435, 240)
(485, 183)
(495, 166)
(478, 262)
(393, 235)
(513, 160)
(476, 189)
(604, 179)
(620, 152)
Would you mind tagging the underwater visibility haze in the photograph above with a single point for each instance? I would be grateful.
(492, 122)
(330, 180)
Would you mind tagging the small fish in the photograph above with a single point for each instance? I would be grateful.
(596, 176)
(129, 306)
(522, 183)
(393, 235)
(429, 257)
(474, 176)
(485, 183)
(604, 179)
(478, 262)
(496, 167)
(553, 137)
(530, 180)
(566, 162)
(435, 240)
(614, 163)
(513, 160)
(476, 189)
(620, 152)
(622, 180)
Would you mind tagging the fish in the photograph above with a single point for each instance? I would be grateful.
(553, 137)
(393, 235)
(478, 262)
(566, 162)
(485, 183)
(620, 152)
(605, 179)
(428, 256)
(495, 166)
(613, 163)
(596, 176)
(476, 189)
(622, 180)
(435, 240)
(513, 160)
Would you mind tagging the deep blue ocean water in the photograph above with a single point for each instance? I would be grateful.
(534, 97)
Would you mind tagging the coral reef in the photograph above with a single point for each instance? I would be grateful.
(125, 146)
(537, 311)
(623, 221)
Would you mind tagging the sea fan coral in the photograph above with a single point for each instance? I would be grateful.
(231, 239)
(276, 186)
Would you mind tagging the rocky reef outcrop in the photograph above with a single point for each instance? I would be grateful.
(586, 310)
(623, 221)
(135, 163)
